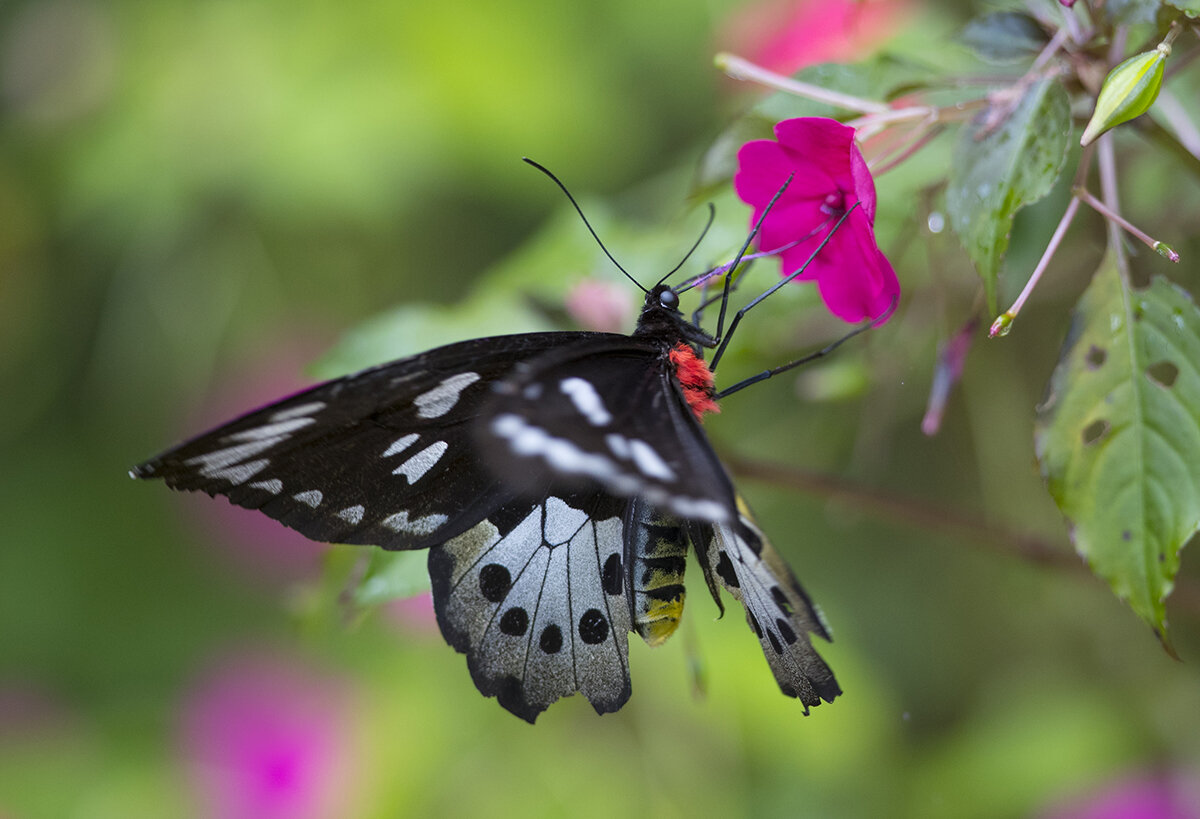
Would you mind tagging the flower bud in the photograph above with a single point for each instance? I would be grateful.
(1128, 91)
(1001, 326)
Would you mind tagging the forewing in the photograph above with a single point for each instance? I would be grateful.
(740, 559)
(385, 456)
(607, 414)
(535, 597)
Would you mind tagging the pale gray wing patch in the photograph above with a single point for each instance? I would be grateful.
(777, 609)
(532, 612)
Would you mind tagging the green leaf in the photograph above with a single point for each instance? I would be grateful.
(1133, 12)
(1118, 438)
(412, 328)
(1004, 37)
(393, 576)
(1189, 7)
(1000, 166)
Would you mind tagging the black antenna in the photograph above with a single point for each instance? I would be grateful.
(586, 223)
(712, 214)
(733, 266)
(745, 246)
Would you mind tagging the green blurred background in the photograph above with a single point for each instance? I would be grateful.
(197, 201)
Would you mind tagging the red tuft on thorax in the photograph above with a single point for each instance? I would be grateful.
(696, 379)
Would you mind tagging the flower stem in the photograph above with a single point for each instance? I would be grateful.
(1162, 248)
(866, 126)
(1054, 45)
(741, 69)
(923, 138)
(1003, 323)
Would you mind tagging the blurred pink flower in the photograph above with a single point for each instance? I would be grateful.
(264, 739)
(602, 306)
(28, 710)
(787, 35)
(1156, 796)
(952, 357)
(855, 279)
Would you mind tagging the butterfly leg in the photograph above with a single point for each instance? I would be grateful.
(821, 353)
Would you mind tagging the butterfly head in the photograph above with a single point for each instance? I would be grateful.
(661, 318)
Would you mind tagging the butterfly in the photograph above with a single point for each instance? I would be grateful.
(558, 480)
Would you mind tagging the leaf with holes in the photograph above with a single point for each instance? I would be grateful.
(1118, 438)
(1005, 160)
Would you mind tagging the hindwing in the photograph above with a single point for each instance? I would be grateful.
(537, 599)
(739, 558)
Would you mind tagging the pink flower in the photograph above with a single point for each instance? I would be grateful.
(268, 740)
(787, 35)
(830, 175)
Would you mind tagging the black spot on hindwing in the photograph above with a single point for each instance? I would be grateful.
(494, 582)
(514, 621)
(551, 640)
(614, 582)
(593, 628)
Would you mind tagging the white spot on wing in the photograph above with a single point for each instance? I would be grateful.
(297, 411)
(279, 430)
(698, 508)
(649, 462)
(586, 400)
(562, 521)
(238, 474)
(399, 522)
(416, 466)
(400, 444)
(211, 462)
(274, 486)
(442, 398)
(310, 497)
(352, 514)
(562, 454)
(618, 445)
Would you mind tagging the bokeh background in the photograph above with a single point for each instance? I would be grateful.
(200, 200)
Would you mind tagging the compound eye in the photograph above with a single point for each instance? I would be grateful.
(668, 299)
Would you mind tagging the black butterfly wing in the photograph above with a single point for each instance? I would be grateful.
(739, 558)
(535, 596)
(385, 456)
(607, 413)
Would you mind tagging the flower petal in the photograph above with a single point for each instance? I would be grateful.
(859, 288)
(762, 167)
(830, 175)
(864, 183)
(824, 143)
